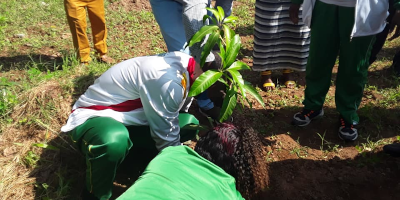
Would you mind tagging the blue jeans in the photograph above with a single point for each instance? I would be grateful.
(225, 4)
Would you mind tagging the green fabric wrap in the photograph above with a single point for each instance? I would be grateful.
(179, 173)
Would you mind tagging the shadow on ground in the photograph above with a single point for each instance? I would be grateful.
(40, 61)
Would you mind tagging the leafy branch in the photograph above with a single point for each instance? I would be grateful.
(229, 43)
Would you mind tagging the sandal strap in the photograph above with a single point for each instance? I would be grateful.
(290, 83)
(269, 85)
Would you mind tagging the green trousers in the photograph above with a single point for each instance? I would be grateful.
(106, 142)
(331, 27)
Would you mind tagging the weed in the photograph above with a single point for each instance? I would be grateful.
(331, 146)
(31, 159)
(301, 152)
(8, 98)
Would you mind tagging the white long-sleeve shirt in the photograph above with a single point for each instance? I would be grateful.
(146, 90)
(370, 15)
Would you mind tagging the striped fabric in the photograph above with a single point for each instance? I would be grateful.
(278, 43)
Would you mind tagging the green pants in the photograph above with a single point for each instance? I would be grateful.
(331, 27)
(106, 142)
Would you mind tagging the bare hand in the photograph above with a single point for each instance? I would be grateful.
(294, 13)
(395, 24)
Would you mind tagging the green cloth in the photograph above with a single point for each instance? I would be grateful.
(106, 142)
(179, 173)
(397, 4)
(330, 35)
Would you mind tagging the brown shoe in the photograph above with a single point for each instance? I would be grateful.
(106, 59)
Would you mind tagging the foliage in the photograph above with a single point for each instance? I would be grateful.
(219, 33)
(7, 98)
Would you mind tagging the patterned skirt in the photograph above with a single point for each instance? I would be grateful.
(278, 43)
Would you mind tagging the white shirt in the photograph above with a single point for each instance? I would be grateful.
(369, 17)
(160, 82)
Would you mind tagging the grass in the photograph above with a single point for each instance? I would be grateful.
(40, 78)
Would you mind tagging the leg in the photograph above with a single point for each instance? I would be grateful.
(353, 67)
(105, 143)
(97, 19)
(168, 14)
(266, 81)
(225, 4)
(192, 16)
(324, 48)
(287, 78)
(76, 16)
(323, 52)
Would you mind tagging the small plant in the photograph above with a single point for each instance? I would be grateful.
(331, 146)
(31, 159)
(7, 98)
(229, 43)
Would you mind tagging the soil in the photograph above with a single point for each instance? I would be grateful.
(300, 166)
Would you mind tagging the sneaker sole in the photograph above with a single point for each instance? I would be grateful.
(348, 140)
(297, 123)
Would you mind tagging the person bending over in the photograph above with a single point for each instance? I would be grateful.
(135, 103)
(227, 163)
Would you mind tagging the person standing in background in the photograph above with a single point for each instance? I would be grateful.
(347, 29)
(278, 43)
(179, 20)
(76, 16)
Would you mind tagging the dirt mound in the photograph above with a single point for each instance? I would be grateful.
(130, 5)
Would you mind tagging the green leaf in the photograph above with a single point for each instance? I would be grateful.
(250, 89)
(221, 12)
(45, 146)
(232, 50)
(228, 105)
(221, 51)
(223, 81)
(230, 20)
(228, 35)
(204, 82)
(237, 77)
(215, 13)
(211, 41)
(18, 144)
(199, 35)
(238, 65)
(209, 17)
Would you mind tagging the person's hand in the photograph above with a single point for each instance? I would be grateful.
(395, 24)
(294, 13)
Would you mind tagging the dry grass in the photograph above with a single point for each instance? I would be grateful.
(33, 124)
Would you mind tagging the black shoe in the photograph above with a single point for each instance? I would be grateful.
(213, 113)
(347, 131)
(304, 117)
(392, 149)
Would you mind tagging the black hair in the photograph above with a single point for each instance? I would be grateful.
(239, 153)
